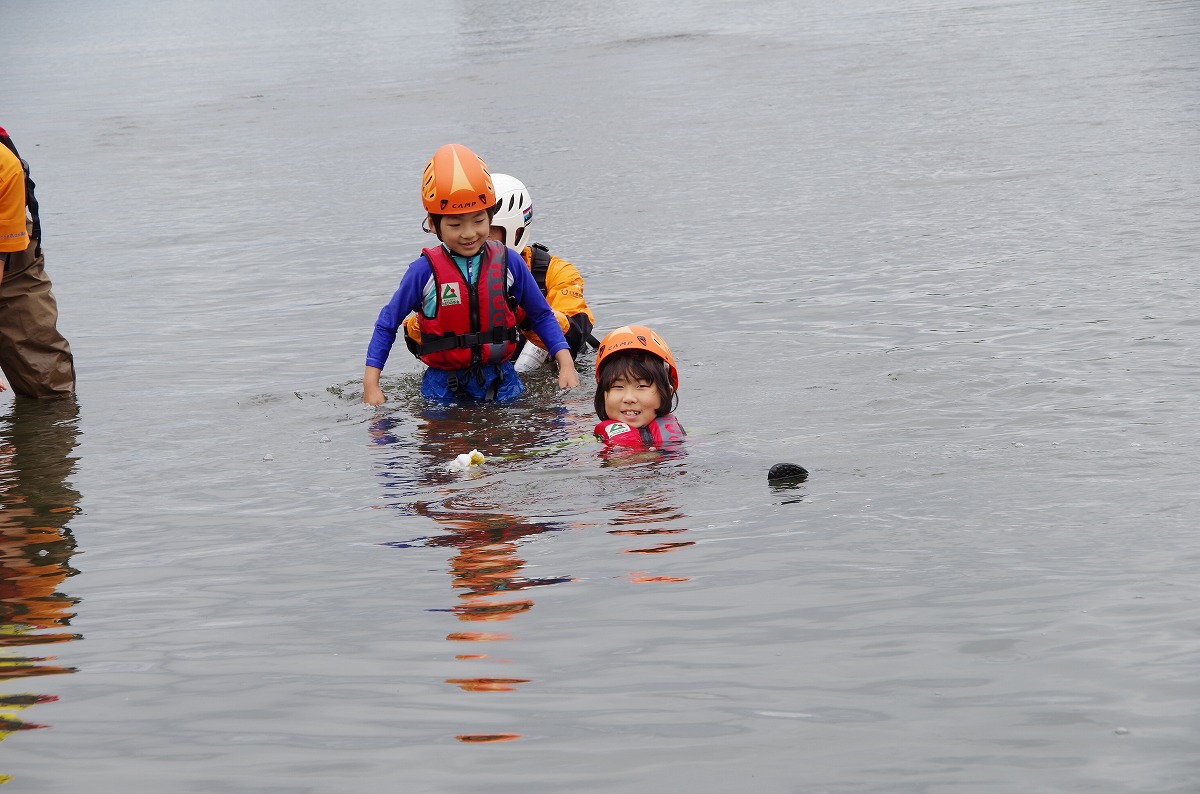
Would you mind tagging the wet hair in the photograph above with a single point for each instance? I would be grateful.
(436, 219)
(636, 365)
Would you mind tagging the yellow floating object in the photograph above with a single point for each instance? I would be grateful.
(468, 459)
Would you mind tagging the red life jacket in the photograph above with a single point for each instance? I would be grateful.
(662, 431)
(472, 323)
(30, 201)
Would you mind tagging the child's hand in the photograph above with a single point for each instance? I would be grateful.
(373, 396)
(568, 378)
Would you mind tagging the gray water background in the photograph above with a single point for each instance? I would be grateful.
(942, 254)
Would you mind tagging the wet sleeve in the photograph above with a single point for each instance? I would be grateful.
(527, 295)
(405, 300)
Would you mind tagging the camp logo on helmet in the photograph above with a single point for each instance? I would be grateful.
(456, 182)
(451, 295)
(621, 345)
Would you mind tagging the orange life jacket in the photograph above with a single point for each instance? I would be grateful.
(562, 285)
(30, 201)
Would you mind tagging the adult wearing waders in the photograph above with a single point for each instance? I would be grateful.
(34, 356)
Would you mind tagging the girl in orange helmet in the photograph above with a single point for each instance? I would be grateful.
(466, 292)
(636, 389)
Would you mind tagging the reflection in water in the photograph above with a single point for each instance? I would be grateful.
(660, 548)
(36, 504)
(486, 568)
(641, 577)
(487, 518)
(418, 446)
(478, 738)
(650, 513)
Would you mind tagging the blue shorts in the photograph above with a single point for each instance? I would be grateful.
(435, 384)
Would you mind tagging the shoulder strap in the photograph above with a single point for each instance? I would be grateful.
(539, 263)
(436, 255)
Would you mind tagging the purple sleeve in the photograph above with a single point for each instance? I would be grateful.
(537, 311)
(406, 299)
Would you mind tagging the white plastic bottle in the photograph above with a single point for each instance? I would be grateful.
(531, 358)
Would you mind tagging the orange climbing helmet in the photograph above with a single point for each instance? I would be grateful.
(637, 337)
(456, 182)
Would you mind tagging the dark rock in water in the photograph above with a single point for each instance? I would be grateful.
(787, 473)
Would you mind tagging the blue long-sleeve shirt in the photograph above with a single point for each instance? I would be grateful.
(416, 285)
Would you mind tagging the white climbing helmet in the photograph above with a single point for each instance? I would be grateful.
(514, 209)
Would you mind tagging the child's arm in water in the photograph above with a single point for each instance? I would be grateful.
(405, 300)
(372, 394)
(568, 378)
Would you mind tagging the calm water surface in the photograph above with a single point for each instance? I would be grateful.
(942, 254)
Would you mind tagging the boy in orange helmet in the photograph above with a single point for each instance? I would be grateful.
(466, 293)
(557, 278)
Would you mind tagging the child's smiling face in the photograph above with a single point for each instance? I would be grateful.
(632, 401)
(465, 234)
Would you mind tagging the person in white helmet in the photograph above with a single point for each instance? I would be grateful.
(557, 278)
